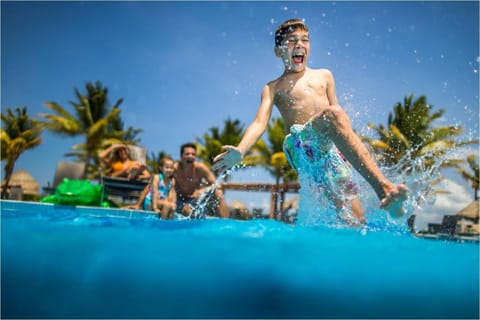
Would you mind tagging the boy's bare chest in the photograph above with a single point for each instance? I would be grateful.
(301, 94)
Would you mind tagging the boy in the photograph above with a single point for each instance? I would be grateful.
(308, 103)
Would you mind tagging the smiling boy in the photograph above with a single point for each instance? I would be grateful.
(321, 136)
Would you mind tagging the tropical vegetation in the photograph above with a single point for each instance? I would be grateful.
(270, 155)
(19, 133)
(473, 175)
(210, 145)
(411, 134)
(93, 118)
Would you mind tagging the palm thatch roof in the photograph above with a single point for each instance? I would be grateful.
(26, 181)
(291, 204)
(470, 211)
(237, 204)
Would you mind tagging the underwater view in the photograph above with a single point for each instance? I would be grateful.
(79, 262)
(406, 75)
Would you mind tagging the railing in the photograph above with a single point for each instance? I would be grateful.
(277, 193)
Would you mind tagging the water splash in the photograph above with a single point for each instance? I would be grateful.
(204, 201)
(315, 209)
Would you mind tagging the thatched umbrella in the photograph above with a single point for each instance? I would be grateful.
(26, 181)
(470, 211)
(238, 210)
(291, 204)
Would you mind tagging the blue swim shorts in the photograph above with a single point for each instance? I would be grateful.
(317, 157)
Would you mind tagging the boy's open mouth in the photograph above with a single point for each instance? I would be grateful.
(297, 58)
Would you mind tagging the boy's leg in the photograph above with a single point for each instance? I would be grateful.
(357, 210)
(334, 121)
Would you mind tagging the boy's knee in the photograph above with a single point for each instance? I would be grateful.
(330, 116)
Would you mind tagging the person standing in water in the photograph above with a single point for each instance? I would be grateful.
(192, 178)
(321, 138)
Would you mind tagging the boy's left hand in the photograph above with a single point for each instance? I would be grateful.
(227, 159)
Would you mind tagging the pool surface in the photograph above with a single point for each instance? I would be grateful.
(67, 262)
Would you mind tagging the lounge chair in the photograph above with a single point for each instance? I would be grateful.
(122, 187)
(70, 170)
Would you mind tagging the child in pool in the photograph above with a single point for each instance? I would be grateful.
(319, 127)
(161, 197)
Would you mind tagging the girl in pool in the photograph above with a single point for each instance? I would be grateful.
(162, 197)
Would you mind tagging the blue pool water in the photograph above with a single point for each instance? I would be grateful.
(66, 262)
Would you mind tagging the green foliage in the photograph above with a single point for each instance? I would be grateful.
(473, 176)
(93, 118)
(410, 131)
(211, 143)
(270, 154)
(19, 133)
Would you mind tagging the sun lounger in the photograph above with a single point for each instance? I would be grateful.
(121, 187)
(70, 170)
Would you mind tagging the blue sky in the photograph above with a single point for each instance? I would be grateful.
(183, 67)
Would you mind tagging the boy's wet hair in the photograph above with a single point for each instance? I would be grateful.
(288, 27)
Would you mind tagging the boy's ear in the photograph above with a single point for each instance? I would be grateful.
(278, 51)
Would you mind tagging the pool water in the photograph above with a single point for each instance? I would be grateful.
(67, 262)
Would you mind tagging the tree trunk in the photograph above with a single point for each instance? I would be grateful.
(8, 172)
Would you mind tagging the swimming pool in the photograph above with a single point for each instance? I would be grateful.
(67, 262)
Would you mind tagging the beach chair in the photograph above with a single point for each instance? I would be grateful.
(70, 170)
(128, 190)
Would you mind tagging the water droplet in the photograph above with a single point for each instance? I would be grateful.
(329, 53)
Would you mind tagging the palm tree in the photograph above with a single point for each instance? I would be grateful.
(410, 133)
(271, 155)
(473, 176)
(93, 118)
(212, 142)
(19, 133)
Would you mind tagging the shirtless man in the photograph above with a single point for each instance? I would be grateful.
(307, 101)
(191, 179)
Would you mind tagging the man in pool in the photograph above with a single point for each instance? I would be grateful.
(321, 137)
(192, 178)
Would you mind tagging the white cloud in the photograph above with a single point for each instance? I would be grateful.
(450, 203)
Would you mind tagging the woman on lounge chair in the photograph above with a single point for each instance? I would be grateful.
(120, 165)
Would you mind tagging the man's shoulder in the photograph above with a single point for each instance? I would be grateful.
(200, 165)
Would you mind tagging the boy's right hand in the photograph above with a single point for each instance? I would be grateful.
(227, 159)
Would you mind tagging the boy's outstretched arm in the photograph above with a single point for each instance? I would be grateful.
(232, 154)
